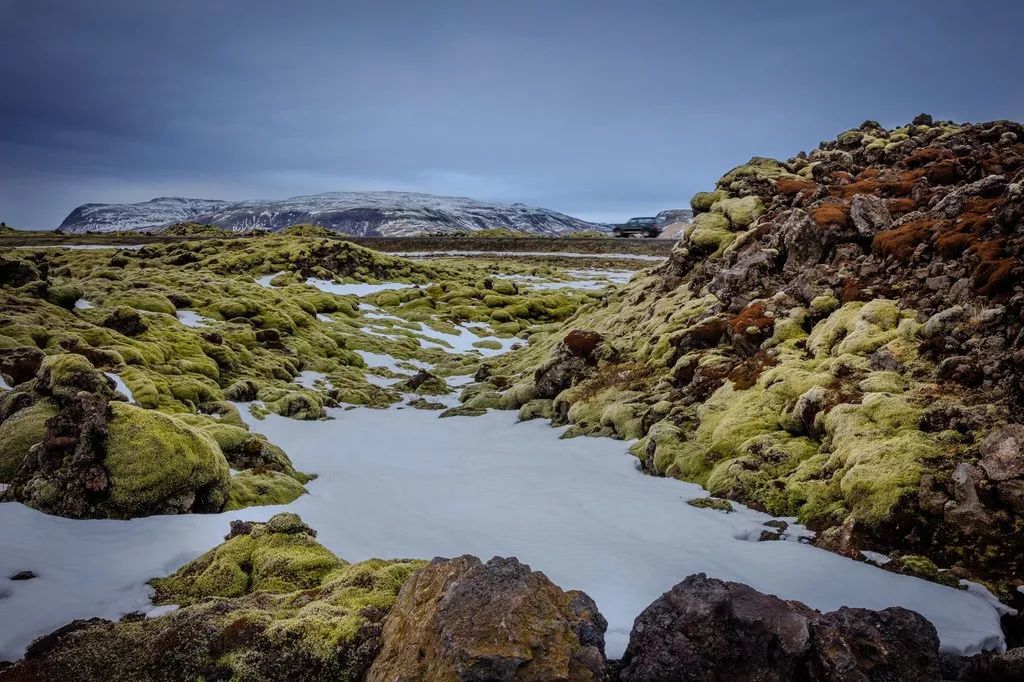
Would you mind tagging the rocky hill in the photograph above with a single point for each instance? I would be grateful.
(837, 337)
(357, 213)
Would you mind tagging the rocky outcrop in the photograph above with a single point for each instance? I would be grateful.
(461, 619)
(835, 337)
(708, 629)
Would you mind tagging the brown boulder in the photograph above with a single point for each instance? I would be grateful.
(460, 619)
(582, 343)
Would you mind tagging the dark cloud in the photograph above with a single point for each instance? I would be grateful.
(602, 109)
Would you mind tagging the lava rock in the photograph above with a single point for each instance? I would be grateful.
(709, 629)
(460, 619)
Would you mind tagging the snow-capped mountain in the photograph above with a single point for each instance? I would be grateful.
(357, 213)
(159, 211)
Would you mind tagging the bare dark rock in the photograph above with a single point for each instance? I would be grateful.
(708, 629)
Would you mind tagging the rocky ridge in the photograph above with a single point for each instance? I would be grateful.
(837, 337)
(355, 213)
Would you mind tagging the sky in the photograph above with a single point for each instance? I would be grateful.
(603, 110)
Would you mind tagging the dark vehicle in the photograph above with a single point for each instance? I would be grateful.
(648, 227)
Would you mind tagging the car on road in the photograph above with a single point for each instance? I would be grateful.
(648, 227)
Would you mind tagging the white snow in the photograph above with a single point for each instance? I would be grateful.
(121, 386)
(538, 254)
(4, 385)
(191, 318)
(308, 378)
(403, 483)
(85, 247)
(264, 281)
(82, 304)
(323, 318)
(876, 558)
(357, 289)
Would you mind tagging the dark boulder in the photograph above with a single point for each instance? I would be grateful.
(709, 629)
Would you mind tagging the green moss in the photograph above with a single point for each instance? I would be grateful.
(261, 487)
(538, 408)
(711, 503)
(64, 295)
(19, 432)
(154, 459)
(703, 201)
(922, 567)
(741, 212)
(280, 556)
(65, 374)
(710, 232)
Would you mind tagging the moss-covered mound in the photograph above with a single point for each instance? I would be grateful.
(70, 448)
(837, 337)
(269, 604)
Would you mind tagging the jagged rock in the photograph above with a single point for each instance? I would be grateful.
(572, 360)
(869, 214)
(460, 619)
(708, 629)
(1002, 453)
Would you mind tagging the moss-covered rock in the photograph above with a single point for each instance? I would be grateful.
(251, 488)
(158, 463)
(269, 604)
(19, 432)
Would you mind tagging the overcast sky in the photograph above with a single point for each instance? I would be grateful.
(603, 110)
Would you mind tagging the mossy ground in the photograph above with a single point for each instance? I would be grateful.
(269, 603)
(251, 343)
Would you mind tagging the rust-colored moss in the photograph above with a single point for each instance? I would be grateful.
(865, 186)
(900, 184)
(925, 156)
(900, 206)
(902, 241)
(792, 187)
(745, 374)
(945, 172)
(831, 214)
(969, 226)
(751, 316)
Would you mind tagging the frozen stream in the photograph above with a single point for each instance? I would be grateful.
(403, 483)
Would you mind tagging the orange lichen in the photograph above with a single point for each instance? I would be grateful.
(903, 240)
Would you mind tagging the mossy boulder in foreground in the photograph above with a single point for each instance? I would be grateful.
(269, 604)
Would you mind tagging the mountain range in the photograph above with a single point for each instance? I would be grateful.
(356, 213)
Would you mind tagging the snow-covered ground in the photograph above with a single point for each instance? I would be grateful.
(538, 254)
(191, 318)
(121, 386)
(403, 483)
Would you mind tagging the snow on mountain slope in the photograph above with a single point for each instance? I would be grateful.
(358, 213)
(159, 211)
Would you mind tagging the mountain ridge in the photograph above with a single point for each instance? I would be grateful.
(382, 213)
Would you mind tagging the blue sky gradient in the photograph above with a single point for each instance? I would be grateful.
(603, 110)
